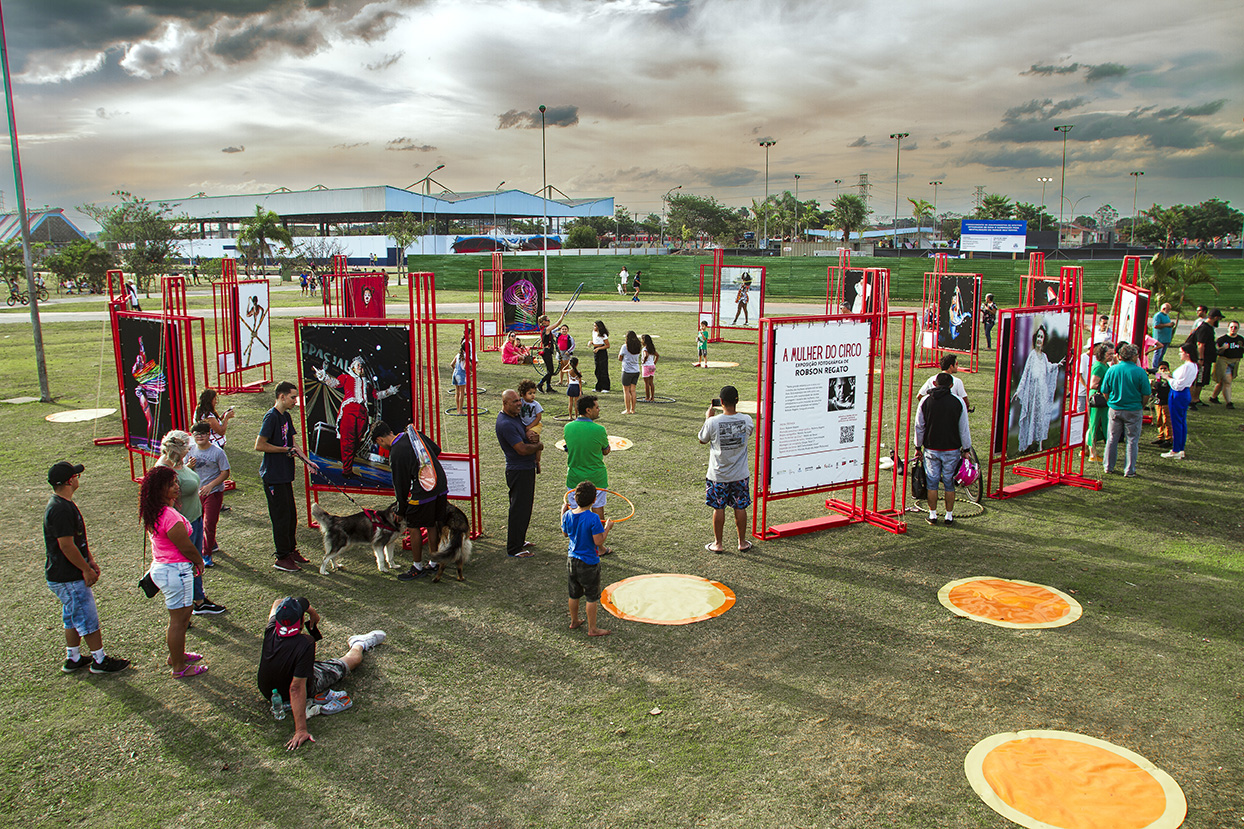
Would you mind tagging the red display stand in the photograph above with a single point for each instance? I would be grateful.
(1048, 466)
(1129, 315)
(856, 290)
(497, 315)
(719, 292)
(931, 352)
(163, 381)
(833, 281)
(814, 435)
(237, 338)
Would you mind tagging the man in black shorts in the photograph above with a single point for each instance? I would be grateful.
(287, 664)
(420, 487)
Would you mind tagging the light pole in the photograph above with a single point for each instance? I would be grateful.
(1074, 206)
(544, 195)
(837, 187)
(898, 154)
(494, 209)
(1135, 186)
(765, 233)
(1044, 181)
(796, 207)
(664, 201)
(427, 182)
(935, 227)
(1062, 187)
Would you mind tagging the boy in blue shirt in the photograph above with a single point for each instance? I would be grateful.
(587, 536)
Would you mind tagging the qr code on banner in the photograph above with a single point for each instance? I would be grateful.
(846, 434)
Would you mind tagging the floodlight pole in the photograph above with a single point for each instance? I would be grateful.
(765, 233)
(1062, 188)
(1135, 186)
(1044, 181)
(494, 209)
(427, 182)
(544, 195)
(837, 187)
(898, 156)
(45, 393)
(935, 227)
(796, 207)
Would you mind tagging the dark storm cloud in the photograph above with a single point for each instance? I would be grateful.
(239, 149)
(1011, 158)
(862, 141)
(727, 177)
(563, 116)
(1092, 72)
(1105, 70)
(371, 23)
(407, 145)
(1048, 70)
(1173, 128)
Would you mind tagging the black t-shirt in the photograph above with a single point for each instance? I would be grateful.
(1204, 335)
(404, 463)
(1234, 346)
(62, 518)
(278, 428)
(284, 659)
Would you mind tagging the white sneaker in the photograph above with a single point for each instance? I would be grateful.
(1173, 455)
(367, 641)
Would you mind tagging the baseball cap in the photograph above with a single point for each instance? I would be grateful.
(289, 616)
(62, 471)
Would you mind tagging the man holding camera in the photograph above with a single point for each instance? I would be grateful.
(728, 479)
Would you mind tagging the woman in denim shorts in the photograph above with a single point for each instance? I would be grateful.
(175, 563)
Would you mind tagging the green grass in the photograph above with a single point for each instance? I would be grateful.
(836, 693)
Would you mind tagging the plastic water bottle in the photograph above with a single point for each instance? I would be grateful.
(278, 705)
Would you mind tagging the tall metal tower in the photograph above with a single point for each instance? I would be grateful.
(864, 187)
(979, 196)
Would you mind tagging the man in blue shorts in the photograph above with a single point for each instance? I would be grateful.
(728, 479)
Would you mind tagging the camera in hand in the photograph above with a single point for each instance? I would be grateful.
(716, 402)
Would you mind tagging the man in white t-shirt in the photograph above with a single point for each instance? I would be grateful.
(949, 365)
(728, 479)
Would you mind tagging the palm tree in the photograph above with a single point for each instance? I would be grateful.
(922, 210)
(849, 212)
(257, 231)
(1170, 277)
(995, 206)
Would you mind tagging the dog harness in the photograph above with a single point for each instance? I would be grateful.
(378, 521)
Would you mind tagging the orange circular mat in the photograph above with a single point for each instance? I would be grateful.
(667, 599)
(78, 415)
(1061, 780)
(616, 443)
(1009, 603)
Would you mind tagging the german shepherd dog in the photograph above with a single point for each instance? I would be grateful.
(379, 528)
(455, 544)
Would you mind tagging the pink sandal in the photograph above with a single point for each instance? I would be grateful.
(189, 671)
(192, 657)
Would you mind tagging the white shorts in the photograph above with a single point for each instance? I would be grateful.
(176, 582)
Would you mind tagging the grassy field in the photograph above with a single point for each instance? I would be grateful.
(836, 693)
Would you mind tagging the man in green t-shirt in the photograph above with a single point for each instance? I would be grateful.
(587, 443)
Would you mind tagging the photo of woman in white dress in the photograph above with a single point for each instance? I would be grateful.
(1035, 401)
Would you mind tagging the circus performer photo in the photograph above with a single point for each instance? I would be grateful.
(742, 297)
(364, 296)
(854, 292)
(522, 303)
(353, 377)
(957, 297)
(1038, 378)
(148, 405)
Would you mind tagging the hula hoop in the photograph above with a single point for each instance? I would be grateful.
(574, 298)
(452, 411)
(562, 418)
(452, 391)
(660, 398)
(570, 492)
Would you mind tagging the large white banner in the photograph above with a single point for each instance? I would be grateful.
(820, 382)
(254, 339)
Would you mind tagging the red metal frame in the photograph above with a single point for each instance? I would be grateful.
(833, 281)
(714, 314)
(492, 317)
(1059, 468)
(930, 354)
(836, 286)
(1129, 282)
(227, 334)
(865, 502)
(115, 281)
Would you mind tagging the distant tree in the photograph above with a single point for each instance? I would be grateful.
(1170, 222)
(705, 216)
(146, 234)
(995, 206)
(403, 229)
(849, 214)
(582, 236)
(256, 234)
(651, 224)
(922, 211)
(81, 261)
(1036, 216)
(624, 223)
(1085, 221)
(1212, 220)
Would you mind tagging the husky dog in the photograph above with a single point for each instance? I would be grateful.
(379, 528)
(455, 546)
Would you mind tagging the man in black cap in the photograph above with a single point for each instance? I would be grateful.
(70, 572)
(288, 669)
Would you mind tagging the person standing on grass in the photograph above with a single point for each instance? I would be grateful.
(287, 664)
(989, 316)
(1202, 337)
(1163, 332)
(623, 278)
(174, 452)
(629, 354)
(276, 470)
(949, 364)
(701, 345)
(520, 472)
(1181, 393)
(70, 571)
(1126, 386)
(175, 561)
(726, 484)
(587, 444)
(649, 368)
(587, 536)
(942, 436)
(212, 467)
(1230, 348)
(600, 353)
(420, 487)
(635, 285)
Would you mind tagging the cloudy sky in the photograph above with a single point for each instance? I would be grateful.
(169, 98)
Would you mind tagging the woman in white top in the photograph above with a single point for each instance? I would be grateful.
(207, 411)
(600, 351)
(629, 355)
(1181, 395)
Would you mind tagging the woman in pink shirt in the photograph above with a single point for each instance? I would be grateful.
(175, 562)
(513, 353)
